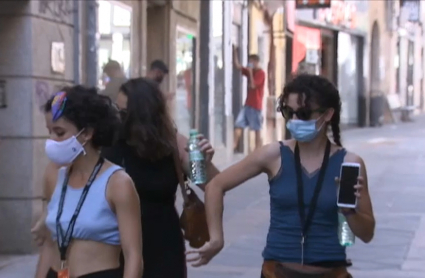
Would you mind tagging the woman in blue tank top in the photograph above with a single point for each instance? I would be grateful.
(93, 211)
(299, 242)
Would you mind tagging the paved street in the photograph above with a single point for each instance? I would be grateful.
(395, 159)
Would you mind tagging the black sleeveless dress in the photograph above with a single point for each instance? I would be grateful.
(156, 183)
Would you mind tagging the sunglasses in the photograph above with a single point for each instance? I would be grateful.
(303, 113)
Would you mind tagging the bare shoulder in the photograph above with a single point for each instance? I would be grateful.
(353, 157)
(181, 138)
(181, 142)
(270, 151)
(120, 191)
(265, 157)
(289, 144)
(271, 158)
(120, 182)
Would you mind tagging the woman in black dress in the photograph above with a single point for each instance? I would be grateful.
(145, 150)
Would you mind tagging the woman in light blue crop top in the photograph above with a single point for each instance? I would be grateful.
(93, 210)
(311, 105)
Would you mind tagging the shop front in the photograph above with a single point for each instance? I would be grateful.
(114, 40)
(339, 56)
(218, 73)
(185, 72)
(118, 44)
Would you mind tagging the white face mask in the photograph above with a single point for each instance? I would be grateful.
(64, 152)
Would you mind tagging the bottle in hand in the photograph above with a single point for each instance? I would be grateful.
(197, 169)
(345, 235)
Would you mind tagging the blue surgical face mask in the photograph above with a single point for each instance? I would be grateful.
(303, 131)
(250, 65)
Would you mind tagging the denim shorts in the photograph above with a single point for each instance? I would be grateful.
(249, 117)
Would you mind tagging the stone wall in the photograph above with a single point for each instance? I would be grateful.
(28, 30)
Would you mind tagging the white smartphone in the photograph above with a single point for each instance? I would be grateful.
(347, 180)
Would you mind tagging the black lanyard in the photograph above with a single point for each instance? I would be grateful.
(306, 222)
(64, 239)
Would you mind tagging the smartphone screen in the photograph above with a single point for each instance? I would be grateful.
(348, 180)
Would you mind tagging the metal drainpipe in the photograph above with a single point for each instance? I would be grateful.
(76, 42)
(91, 53)
(204, 52)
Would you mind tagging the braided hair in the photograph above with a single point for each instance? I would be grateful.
(319, 90)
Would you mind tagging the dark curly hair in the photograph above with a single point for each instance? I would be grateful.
(147, 124)
(85, 108)
(318, 90)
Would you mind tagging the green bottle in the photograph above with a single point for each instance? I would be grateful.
(345, 235)
(197, 167)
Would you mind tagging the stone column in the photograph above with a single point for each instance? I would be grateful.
(31, 32)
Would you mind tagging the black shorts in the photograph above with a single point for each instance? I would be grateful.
(109, 273)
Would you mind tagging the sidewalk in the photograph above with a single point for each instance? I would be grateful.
(395, 158)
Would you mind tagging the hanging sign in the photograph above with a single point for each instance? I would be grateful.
(339, 14)
(312, 4)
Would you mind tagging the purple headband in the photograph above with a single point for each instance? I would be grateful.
(58, 104)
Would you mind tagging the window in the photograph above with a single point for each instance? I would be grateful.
(104, 17)
(122, 16)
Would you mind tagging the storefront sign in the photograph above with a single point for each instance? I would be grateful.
(309, 4)
(290, 15)
(58, 57)
(306, 44)
(339, 14)
(312, 56)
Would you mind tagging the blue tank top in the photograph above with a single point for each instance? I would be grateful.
(284, 236)
(96, 221)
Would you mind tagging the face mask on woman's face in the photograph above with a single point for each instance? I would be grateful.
(64, 152)
(304, 131)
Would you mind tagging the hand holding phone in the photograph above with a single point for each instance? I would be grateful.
(347, 185)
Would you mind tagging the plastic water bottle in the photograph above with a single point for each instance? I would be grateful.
(345, 235)
(198, 173)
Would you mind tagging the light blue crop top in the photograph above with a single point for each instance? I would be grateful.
(96, 221)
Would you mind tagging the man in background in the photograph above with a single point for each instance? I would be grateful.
(251, 116)
(114, 77)
(158, 71)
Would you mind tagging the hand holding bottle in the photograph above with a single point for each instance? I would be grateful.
(205, 147)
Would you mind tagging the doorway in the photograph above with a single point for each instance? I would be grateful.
(421, 97)
(375, 94)
(114, 33)
(328, 62)
(185, 87)
(237, 101)
(410, 101)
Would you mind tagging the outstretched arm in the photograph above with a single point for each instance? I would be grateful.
(262, 160)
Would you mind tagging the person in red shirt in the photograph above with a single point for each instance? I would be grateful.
(250, 115)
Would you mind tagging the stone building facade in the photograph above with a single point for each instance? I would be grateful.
(48, 44)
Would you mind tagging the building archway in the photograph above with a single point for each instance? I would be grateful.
(375, 93)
